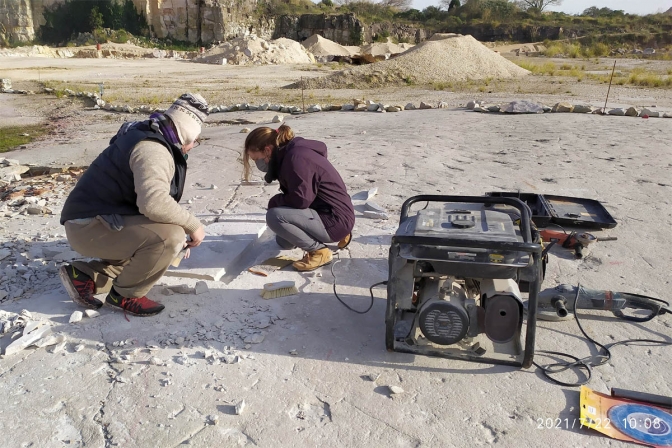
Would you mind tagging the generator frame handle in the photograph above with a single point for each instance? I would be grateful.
(462, 243)
(514, 202)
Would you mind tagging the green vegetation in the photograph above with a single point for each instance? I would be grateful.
(547, 68)
(594, 33)
(595, 47)
(15, 136)
(64, 21)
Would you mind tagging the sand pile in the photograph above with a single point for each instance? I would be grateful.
(443, 58)
(249, 50)
(322, 47)
(383, 48)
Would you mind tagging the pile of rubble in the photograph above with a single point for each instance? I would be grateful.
(28, 190)
(27, 264)
(37, 51)
(27, 331)
(250, 50)
(106, 50)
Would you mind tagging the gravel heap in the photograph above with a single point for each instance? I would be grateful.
(249, 50)
(384, 48)
(322, 47)
(443, 58)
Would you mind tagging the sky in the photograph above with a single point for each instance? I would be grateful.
(578, 6)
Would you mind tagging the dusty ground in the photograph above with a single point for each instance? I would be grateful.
(320, 396)
(158, 82)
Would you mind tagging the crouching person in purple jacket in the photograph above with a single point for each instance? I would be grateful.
(313, 207)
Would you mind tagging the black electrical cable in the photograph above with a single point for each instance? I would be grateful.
(587, 363)
(345, 304)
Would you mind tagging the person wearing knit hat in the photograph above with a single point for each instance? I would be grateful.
(188, 113)
(125, 210)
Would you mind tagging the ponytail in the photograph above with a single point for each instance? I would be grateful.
(261, 137)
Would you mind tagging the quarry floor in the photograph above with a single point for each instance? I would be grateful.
(306, 384)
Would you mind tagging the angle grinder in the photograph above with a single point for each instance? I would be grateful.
(573, 240)
(560, 302)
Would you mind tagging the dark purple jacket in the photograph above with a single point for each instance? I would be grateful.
(308, 180)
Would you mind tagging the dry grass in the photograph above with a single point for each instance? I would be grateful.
(639, 76)
(643, 78)
(547, 68)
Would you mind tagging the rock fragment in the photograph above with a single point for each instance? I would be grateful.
(91, 313)
(75, 317)
(375, 215)
(201, 287)
(395, 390)
(373, 376)
(563, 107)
(240, 407)
(181, 289)
(632, 112)
(212, 419)
(256, 338)
(523, 107)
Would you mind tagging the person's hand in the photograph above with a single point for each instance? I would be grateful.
(187, 253)
(196, 237)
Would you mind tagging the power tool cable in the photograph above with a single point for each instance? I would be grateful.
(587, 362)
(341, 300)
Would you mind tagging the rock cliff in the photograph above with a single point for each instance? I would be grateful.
(209, 21)
(185, 20)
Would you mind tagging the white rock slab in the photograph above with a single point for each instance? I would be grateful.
(91, 313)
(27, 339)
(224, 243)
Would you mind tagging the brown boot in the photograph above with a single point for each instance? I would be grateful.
(345, 241)
(313, 260)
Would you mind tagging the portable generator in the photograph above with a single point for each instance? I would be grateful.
(456, 270)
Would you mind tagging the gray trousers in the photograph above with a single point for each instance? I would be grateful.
(295, 227)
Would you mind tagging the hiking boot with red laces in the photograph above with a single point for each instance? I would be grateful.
(140, 306)
(79, 286)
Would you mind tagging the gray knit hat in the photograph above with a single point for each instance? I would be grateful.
(188, 113)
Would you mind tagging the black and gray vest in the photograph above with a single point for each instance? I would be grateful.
(107, 188)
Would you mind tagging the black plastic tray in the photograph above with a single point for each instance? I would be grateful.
(541, 215)
(582, 212)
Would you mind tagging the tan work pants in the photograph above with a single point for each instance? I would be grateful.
(133, 259)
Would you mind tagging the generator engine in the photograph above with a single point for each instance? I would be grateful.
(456, 311)
(455, 275)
